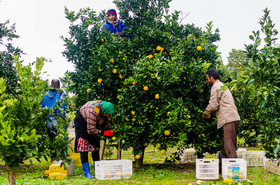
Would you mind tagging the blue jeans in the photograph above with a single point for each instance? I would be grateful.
(52, 127)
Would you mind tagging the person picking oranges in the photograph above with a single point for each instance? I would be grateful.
(113, 24)
(91, 122)
(222, 103)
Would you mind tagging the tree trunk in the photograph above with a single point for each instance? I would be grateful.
(139, 162)
(11, 176)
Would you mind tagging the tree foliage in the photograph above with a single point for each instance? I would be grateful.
(7, 69)
(23, 132)
(169, 58)
(236, 60)
(261, 80)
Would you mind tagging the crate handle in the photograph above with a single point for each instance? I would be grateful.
(232, 161)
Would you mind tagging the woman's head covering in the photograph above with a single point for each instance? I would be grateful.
(107, 108)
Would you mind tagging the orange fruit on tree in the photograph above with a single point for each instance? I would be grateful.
(114, 138)
(133, 83)
(158, 145)
(115, 71)
(167, 132)
(159, 48)
(46, 172)
(199, 48)
(99, 80)
(132, 113)
(157, 96)
(145, 88)
(138, 156)
(163, 152)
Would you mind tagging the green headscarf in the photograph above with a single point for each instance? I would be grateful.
(107, 108)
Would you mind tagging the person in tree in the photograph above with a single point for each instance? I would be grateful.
(113, 24)
(49, 101)
(91, 122)
(222, 103)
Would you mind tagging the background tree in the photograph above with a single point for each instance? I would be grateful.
(23, 132)
(261, 78)
(237, 59)
(7, 70)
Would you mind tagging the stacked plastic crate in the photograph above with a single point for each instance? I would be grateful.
(255, 158)
(188, 155)
(241, 153)
(272, 165)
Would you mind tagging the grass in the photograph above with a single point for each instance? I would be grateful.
(154, 171)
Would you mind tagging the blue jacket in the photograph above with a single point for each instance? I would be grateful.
(51, 98)
(116, 30)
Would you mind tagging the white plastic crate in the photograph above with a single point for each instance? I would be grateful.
(112, 169)
(235, 169)
(241, 153)
(255, 158)
(207, 169)
(188, 156)
(272, 165)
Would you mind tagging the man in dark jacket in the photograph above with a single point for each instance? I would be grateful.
(113, 24)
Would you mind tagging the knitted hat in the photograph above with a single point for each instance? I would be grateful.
(107, 107)
(112, 11)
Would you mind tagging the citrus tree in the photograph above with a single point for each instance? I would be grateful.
(7, 70)
(22, 121)
(155, 75)
(261, 80)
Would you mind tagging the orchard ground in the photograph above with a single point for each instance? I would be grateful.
(154, 171)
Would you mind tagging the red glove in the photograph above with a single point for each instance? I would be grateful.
(108, 133)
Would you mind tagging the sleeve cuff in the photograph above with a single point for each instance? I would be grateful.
(100, 132)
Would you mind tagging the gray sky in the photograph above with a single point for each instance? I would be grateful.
(40, 23)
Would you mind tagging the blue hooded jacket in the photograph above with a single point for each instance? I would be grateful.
(118, 29)
(51, 98)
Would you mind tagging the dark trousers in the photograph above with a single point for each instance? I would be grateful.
(94, 155)
(229, 141)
